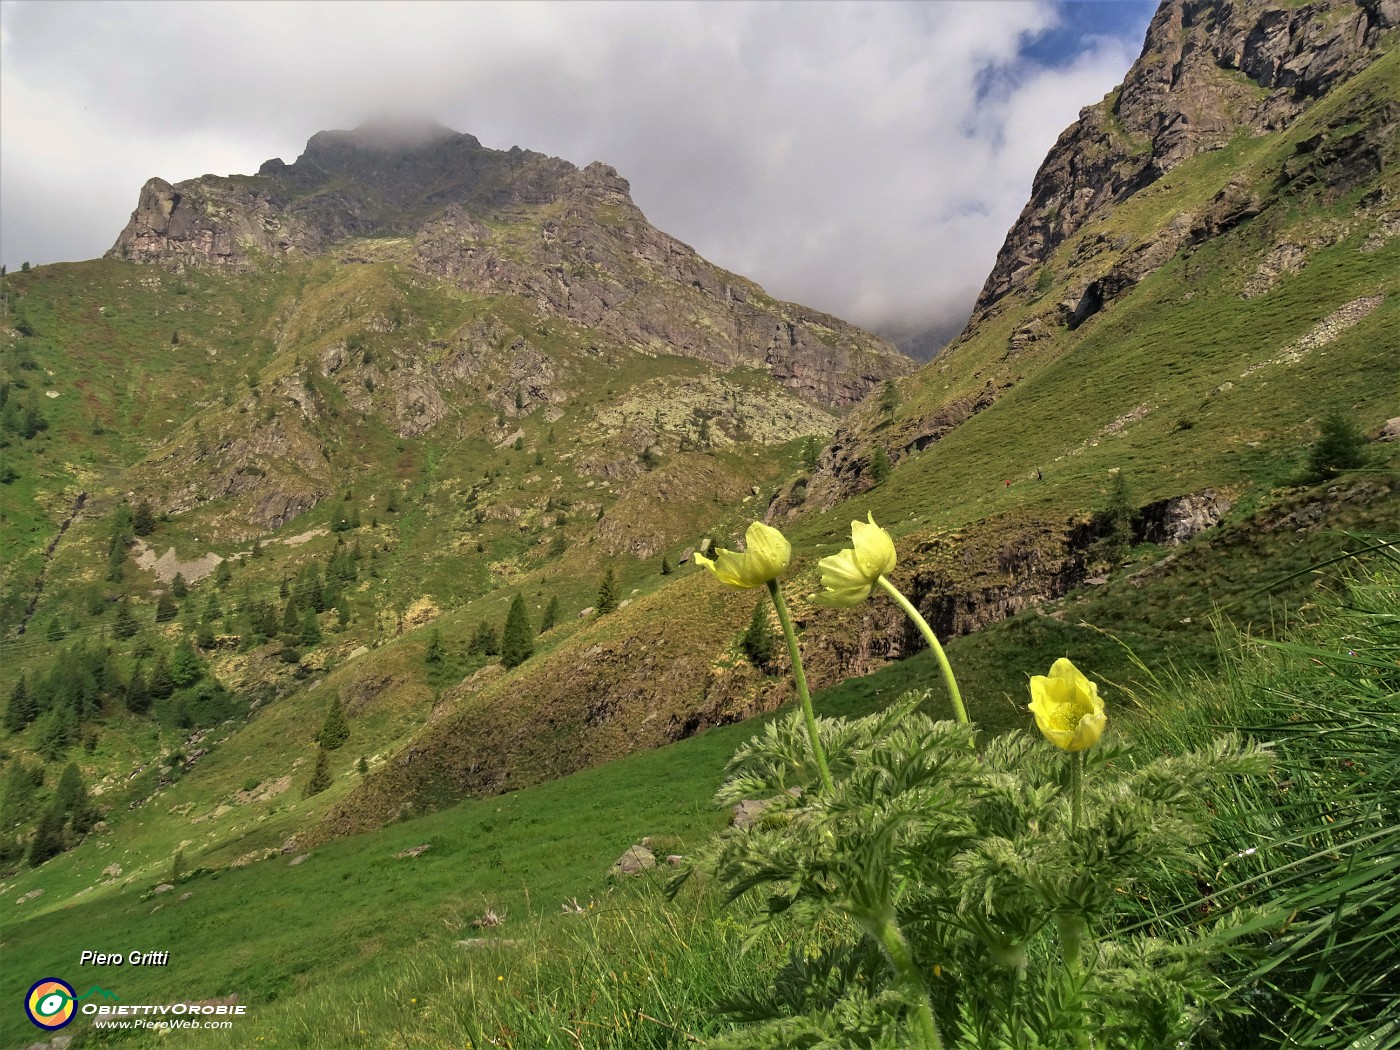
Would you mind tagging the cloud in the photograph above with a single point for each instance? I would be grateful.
(863, 158)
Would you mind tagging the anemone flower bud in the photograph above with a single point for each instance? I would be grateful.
(765, 558)
(1067, 707)
(848, 577)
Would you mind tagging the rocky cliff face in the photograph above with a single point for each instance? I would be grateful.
(568, 240)
(1209, 70)
(1213, 74)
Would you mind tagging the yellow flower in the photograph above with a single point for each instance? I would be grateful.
(1067, 707)
(848, 576)
(765, 558)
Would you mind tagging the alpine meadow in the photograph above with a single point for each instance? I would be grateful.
(441, 609)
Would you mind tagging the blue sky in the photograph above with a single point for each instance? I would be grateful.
(865, 158)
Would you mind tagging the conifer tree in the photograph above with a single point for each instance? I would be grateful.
(54, 735)
(485, 641)
(23, 706)
(889, 398)
(518, 639)
(178, 587)
(17, 803)
(760, 642)
(362, 766)
(185, 668)
(143, 520)
(48, 838)
(310, 630)
(1340, 446)
(125, 625)
(607, 594)
(138, 693)
(321, 775)
(435, 653)
(880, 467)
(335, 730)
(162, 684)
(551, 614)
(665, 566)
(166, 608)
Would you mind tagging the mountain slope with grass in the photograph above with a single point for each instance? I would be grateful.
(260, 495)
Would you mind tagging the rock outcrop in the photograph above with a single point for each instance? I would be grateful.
(1209, 70)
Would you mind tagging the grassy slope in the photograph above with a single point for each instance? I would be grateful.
(1170, 345)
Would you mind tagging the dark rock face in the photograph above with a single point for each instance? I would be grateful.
(1209, 69)
(568, 240)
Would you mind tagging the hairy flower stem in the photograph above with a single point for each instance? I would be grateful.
(1072, 927)
(927, 631)
(896, 949)
(801, 677)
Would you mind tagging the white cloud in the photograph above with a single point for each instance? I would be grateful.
(864, 158)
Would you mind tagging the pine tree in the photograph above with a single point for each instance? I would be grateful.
(335, 730)
(71, 793)
(166, 608)
(760, 642)
(310, 631)
(880, 467)
(1115, 521)
(362, 766)
(607, 594)
(321, 775)
(484, 642)
(665, 566)
(435, 653)
(162, 684)
(185, 668)
(125, 625)
(889, 398)
(48, 839)
(222, 575)
(18, 800)
(518, 639)
(1340, 446)
(551, 614)
(138, 693)
(22, 708)
(54, 735)
(179, 587)
(143, 520)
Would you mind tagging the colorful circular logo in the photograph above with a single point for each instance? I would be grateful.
(49, 1003)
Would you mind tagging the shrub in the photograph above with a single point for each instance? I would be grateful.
(1340, 446)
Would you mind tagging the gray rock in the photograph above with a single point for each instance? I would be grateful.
(634, 861)
(164, 887)
(1390, 431)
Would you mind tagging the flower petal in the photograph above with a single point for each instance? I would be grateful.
(1067, 708)
(874, 549)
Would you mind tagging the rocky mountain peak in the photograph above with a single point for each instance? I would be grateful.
(570, 242)
(1209, 70)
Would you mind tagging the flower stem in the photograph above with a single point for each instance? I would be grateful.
(896, 949)
(801, 677)
(1072, 927)
(927, 631)
(1076, 783)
